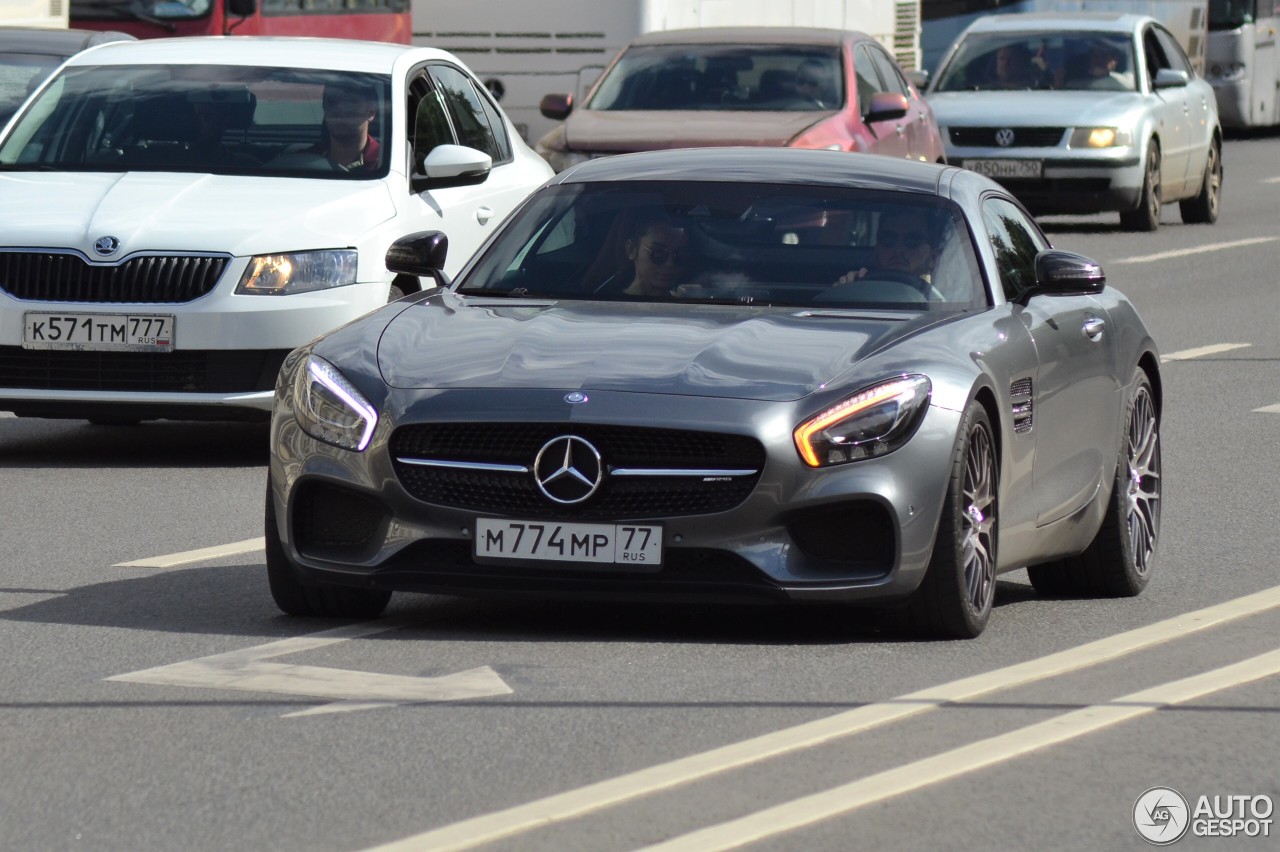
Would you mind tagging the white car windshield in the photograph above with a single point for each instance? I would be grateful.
(1082, 61)
(296, 122)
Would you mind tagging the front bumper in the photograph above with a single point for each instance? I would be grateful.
(858, 532)
(1071, 181)
(227, 351)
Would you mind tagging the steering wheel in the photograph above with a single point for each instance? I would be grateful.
(915, 282)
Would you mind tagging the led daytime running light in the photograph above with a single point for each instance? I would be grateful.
(340, 390)
(843, 410)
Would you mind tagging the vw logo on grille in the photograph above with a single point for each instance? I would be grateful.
(1004, 137)
(568, 469)
(575, 398)
(106, 246)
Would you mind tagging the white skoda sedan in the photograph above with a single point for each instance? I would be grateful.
(182, 213)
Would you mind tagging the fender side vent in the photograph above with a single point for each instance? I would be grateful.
(1020, 397)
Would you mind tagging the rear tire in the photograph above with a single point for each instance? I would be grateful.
(1118, 562)
(294, 598)
(1147, 216)
(1203, 209)
(955, 598)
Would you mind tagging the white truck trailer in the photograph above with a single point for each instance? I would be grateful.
(524, 50)
(34, 13)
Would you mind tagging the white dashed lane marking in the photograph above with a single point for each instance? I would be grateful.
(1167, 255)
(1203, 351)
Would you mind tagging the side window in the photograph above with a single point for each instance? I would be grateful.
(1015, 241)
(431, 125)
(868, 83)
(1155, 54)
(889, 74)
(1173, 51)
(466, 109)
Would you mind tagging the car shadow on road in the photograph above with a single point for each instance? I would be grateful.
(35, 443)
(234, 600)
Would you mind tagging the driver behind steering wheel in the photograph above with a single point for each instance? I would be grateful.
(904, 245)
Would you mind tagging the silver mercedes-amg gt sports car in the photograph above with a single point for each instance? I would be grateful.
(728, 374)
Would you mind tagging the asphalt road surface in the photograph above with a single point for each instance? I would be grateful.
(155, 699)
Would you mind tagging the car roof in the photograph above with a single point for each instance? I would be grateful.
(1119, 22)
(765, 165)
(43, 41)
(752, 35)
(274, 51)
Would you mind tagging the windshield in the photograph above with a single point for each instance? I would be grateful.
(20, 74)
(142, 10)
(758, 244)
(1010, 61)
(1231, 14)
(204, 118)
(722, 77)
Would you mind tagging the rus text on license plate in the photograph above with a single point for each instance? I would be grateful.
(107, 332)
(628, 544)
(1005, 168)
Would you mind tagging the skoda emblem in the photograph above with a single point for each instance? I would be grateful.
(575, 398)
(568, 469)
(106, 246)
(1004, 137)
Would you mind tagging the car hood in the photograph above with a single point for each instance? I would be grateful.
(696, 350)
(598, 130)
(166, 211)
(1030, 108)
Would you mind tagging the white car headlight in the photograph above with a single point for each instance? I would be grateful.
(298, 272)
(1100, 137)
(872, 422)
(329, 408)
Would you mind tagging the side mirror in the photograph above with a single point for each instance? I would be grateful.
(1067, 273)
(1167, 78)
(421, 254)
(453, 165)
(886, 106)
(556, 107)
(918, 77)
(242, 8)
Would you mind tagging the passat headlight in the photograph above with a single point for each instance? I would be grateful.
(298, 272)
(329, 408)
(1100, 137)
(872, 422)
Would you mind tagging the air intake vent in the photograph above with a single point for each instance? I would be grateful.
(1020, 396)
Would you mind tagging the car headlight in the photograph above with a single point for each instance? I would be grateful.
(872, 422)
(1100, 137)
(298, 272)
(329, 408)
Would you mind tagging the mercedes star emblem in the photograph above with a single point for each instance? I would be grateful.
(568, 469)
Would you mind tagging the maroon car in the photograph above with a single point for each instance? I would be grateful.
(771, 86)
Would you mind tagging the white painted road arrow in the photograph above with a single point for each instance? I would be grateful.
(247, 670)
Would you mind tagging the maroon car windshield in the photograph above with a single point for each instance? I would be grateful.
(722, 77)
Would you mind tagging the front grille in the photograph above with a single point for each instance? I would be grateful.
(181, 371)
(68, 277)
(1023, 137)
(619, 447)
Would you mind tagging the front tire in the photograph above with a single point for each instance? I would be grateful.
(955, 598)
(1203, 209)
(1147, 216)
(294, 598)
(1118, 562)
